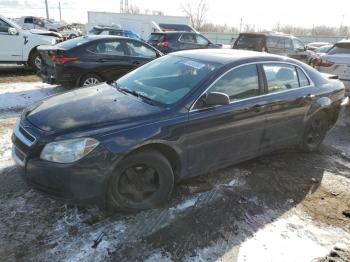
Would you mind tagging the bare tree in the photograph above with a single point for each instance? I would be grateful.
(133, 9)
(197, 14)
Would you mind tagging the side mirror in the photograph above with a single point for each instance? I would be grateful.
(12, 31)
(217, 99)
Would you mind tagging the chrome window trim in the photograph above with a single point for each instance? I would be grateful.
(268, 94)
(21, 137)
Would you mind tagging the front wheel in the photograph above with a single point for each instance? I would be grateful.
(35, 61)
(141, 181)
(315, 131)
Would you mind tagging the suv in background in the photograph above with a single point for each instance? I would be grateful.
(111, 30)
(271, 42)
(172, 41)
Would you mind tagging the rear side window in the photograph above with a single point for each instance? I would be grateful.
(280, 77)
(107, 48)
(140, 50)
(275, 42)
(239, 83)
(69, 44)
(252, 42)
(283, 77)
(303, 80)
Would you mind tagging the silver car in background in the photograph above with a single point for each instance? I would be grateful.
(337, 62)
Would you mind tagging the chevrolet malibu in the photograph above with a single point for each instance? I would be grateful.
(124, 145)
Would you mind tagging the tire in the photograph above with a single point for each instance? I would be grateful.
(154, 179)
(315, 131)
(34, 61)
(90, 80)
(72, 36)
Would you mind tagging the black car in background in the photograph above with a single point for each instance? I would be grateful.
(187, 113)
(90, 60)
(172, 41)
(272, 42)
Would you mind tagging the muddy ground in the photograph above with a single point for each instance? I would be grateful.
(16, 73)
(286, 206)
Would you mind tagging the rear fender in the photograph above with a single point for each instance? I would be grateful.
(321, 104)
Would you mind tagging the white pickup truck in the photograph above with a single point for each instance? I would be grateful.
(19, 46)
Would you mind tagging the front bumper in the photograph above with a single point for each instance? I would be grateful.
(82, 182)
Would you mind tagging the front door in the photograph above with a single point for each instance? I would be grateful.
(11, 45)
(222, 135)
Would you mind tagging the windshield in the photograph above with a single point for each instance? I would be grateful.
(323, 49)
(166, 80)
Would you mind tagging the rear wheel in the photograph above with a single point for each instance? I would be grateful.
(90, 80)
(34, 61)
(141, 181)
(315, 131)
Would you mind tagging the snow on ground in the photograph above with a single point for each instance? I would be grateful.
(16, 96)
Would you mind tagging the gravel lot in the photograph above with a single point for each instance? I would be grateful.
(287, 206)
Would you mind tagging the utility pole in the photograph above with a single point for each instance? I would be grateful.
(47, 10)
(240, 25)
(126, 6)
(121, 6)
(59, 7)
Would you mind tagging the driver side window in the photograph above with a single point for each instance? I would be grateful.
(4, 27)
(298, 45)
(239, 83)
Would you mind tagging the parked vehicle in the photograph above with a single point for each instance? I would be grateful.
(187, 113)
(317, 53)
(112, 30)
(274, 43)
(172, 41)
(337, 62)
(33, 22)
(314, 45)
(70, 32)
(20, 46)
(89, 60)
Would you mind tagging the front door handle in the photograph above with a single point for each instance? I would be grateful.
(102, 60)
(136, 63)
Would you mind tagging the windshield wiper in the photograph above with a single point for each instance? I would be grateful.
(145, 98)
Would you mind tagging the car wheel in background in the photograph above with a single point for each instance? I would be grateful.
(34, 61)
(72, 36)
(141, 181)
(90, 80)
(315, 131)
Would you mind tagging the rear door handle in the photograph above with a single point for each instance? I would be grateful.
(309, 97)
(136, 63)
(102, 60)
(257, 108)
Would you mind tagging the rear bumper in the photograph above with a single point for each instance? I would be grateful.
(57, 75)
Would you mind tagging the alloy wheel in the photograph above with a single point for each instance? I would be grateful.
(91, 81)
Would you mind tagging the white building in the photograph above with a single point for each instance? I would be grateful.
(138, 23)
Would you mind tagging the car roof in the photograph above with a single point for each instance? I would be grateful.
(97, 37)
(173, 32)
(269, 33)
(227, 56)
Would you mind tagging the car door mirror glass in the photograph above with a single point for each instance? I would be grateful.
(216, 99)
(12, 31)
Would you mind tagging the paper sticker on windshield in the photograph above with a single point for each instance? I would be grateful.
(194, 64)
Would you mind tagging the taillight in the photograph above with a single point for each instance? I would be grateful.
(164, 44)
(324, 63)
(60, 60)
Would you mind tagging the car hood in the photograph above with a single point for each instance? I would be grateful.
(88, 108)
(44, 32)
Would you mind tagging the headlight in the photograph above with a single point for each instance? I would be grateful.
(53, 41)
(68, 151)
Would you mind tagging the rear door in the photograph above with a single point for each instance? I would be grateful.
(217, 136)
(289, 95)
(107, 58)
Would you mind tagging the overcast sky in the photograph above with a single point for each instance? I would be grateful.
(261, 13)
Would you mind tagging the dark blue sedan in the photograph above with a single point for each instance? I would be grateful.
(127, 143)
